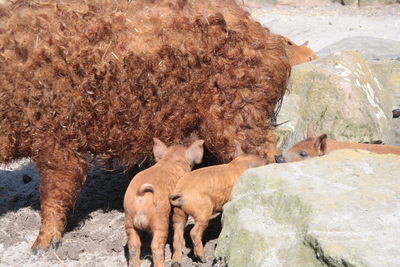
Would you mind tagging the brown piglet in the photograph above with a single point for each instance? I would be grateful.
(315, 146)
(200, 194)
(146, 202)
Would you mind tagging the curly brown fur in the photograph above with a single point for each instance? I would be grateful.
(106, 76)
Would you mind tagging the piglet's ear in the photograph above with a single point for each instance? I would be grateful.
(194, 153)
(310, 131)
(305, 43)
(320, 144)
(238, 150)
(257, 163)
(159, 149)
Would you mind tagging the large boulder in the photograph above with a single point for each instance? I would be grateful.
(366, 2)
(342, 209)
(388, 74)
(318, 2)
(369, 47)
(374, 2)
(341, 96)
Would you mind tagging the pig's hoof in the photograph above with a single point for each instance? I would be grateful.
(39, 248)
(396, 113)
(38, 251)
(55, 244)
(42, 245)
(202, 259)
(176, 264)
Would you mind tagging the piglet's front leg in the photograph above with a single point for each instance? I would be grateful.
(62, 175)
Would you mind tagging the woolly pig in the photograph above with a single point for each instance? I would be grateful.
(84, 79)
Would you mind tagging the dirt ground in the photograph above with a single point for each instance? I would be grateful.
(95, 234)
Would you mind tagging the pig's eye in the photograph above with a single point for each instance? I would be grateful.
(302, 153)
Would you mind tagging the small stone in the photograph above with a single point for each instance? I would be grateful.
(396, 113)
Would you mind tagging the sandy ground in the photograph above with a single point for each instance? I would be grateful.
(95, 234)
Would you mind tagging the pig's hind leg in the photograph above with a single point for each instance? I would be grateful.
(62, 175)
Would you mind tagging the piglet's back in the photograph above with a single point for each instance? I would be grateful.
(217, 177)
(203, 179)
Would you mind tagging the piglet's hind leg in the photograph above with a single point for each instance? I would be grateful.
(179, 219)
(134, 245)
(158, 246)
(201, 223)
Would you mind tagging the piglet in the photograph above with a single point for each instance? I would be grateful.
(146, 203)
(200, 194)
(315, 146)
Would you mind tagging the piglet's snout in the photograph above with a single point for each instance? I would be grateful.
(280, 159)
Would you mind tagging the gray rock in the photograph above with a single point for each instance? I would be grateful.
(349, 2)
(370, 48)
(388, 74)
(367, 2)
(342, 209)
(321, 2)
(373, 2)
(341, 96)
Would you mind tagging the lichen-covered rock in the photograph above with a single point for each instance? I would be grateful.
(366, 2)
(341, 96)
(388, 74)
(324, 2)
(372, 2)
(342, 209)
(370, 48)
